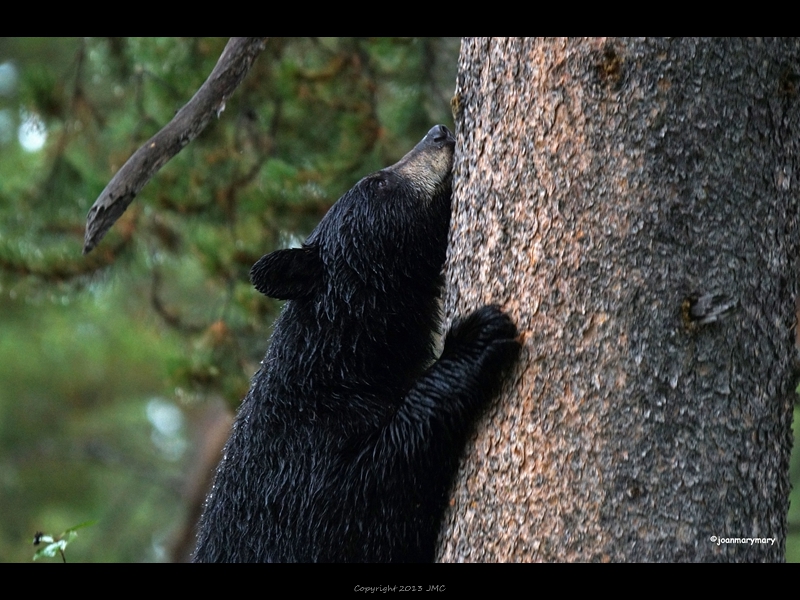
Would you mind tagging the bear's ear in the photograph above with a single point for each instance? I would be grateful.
(288, 274)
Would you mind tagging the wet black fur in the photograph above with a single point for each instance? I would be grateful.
(349, 439)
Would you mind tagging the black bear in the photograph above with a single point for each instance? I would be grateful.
(350, 436)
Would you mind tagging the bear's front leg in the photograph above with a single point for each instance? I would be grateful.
(419, 450)
(437, 414)
(479, 351)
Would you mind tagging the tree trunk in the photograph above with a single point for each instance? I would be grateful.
(632, 204)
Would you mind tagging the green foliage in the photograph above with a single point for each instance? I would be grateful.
(161, 316)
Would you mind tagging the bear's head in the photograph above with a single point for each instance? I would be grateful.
(387, 233)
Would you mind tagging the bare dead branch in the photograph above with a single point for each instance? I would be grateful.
(209, 100)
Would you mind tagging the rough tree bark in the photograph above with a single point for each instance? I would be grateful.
(633, 204)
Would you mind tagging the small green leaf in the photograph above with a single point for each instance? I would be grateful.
(59, 544)
(80, 526)
(50, 550)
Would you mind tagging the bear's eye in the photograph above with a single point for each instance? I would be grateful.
(384, 184)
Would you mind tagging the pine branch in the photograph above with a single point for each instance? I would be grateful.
(209, 100)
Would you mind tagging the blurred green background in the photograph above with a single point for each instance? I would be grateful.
(119, 371)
